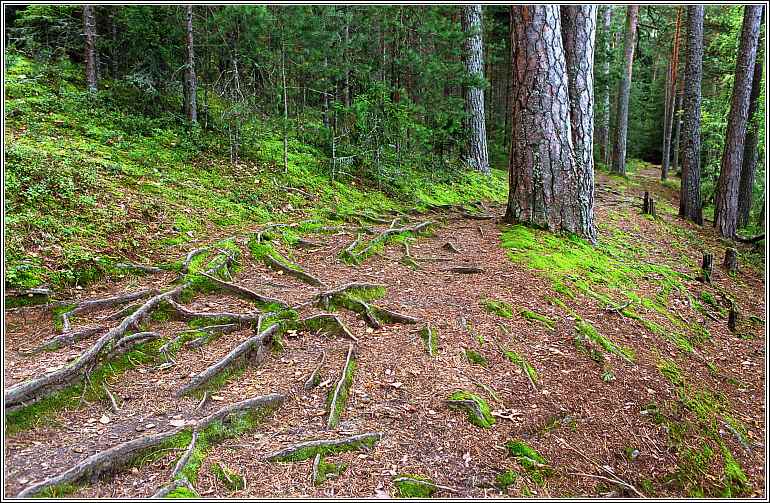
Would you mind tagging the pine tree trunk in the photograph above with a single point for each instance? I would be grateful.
(677, 127)
(190, 79)
(476, 152)
(89, 31)
(670, 100)
(726, 210)
(603, 135)
(578, 37)
(689, 195)
(624, 90)
(545, 189)
(750, 152)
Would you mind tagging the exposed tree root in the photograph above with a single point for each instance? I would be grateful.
(122, 313)
(292, 271)
(171, 487)
(122, 453)
(244, 292)
(329, 322)
(238, 318)
(325, 299)
(306, 450)
(383, 236)
(315, 377)
(146, 269)
(65, 339)
(111, 397)
(340, 394)
(472, 216)
(243, 350)
(450, 247)
(186, 456)
(466, 269)
(190, 257)
(750, 240)
(34, 389)
(88, 306)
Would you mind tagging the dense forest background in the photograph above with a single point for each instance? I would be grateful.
(375, 92)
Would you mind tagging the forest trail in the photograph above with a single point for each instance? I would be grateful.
(590, 420)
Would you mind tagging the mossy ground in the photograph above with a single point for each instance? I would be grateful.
(498, 307)
(409, 489)
(88, 180)
(535, 465)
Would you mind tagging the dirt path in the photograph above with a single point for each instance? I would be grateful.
(400, 390)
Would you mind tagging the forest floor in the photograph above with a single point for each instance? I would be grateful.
(608, 371)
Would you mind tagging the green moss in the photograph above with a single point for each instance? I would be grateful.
(232, 480)
(43, 412)
(504, 480)
(671, 371)
(498, 307)
(183, 492)
(479, 415)
(328, 471)
(588, 331)
(533, 316)
(336, 408)
(476, 358)
(518, 360)
(429, 336)
(327, 450)
(57, 491)
(410, 489)
(531, 460)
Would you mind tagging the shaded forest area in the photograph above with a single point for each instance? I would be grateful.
(391, 251)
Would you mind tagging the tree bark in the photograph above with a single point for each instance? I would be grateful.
(476, 154)
(545, 189)
(677, 126)
(670, 100)
(726, 202)
(190, 79)
(624, 90)
(89, 31)
(579, 37)
(750, 152)
(689, 195)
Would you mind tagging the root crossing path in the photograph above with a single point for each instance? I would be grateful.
(361, 344)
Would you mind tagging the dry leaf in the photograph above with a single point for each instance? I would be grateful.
(104, 419)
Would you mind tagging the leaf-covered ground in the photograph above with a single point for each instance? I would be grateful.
(586, 371)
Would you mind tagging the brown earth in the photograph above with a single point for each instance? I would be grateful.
(573, 418)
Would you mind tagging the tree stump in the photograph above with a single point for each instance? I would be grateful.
(707, 267)
(731, 260)
(732, 319)
(648, 206)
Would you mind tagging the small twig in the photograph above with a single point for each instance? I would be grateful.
(426, 483)
(612, 481)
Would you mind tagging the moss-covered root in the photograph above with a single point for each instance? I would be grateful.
(307, 450)
(118, 455)
(429, 335)
(478, 409)
(417, 486)
(338, 397)
(242, 350)
(232, 480)
(323, 470)
(532, 461)
(533, 316)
